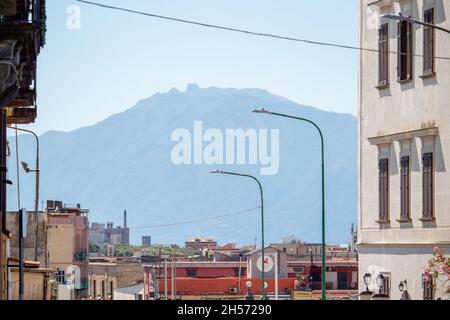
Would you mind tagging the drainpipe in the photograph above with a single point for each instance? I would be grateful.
(3, 170)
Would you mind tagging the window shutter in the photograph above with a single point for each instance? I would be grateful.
(429, 43)
(428, 187)
(409, 44)
(384, 190)
(399, 50)
(404, 188)
(383, 55)
(380, 55)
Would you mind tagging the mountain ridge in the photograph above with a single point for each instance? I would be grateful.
(123, 162)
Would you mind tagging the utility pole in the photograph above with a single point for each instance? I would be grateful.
(240, 272)
(165, 278)
(276, 275)
(173, 279)
(22, 231)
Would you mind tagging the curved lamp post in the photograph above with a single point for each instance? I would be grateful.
(37, 171)
(263, 111)
(262, 222)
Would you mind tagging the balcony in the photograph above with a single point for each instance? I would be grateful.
(22, 34)
(80, 256)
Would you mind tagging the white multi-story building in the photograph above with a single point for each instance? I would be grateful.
(404, 142)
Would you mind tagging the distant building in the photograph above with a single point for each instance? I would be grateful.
(201, 243)
(275, 261)
(101, 235)
(117, 235)
(97, 234)
(108, 274)
(147, 241)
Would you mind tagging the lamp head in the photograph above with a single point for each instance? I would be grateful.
(380, 281)
(367, 279)
(216, 172)
(261, 110)
(25, 167)
(403, 286)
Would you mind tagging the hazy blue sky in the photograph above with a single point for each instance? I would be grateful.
(116, 58)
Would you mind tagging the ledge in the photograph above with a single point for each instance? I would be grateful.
(421, 133)
(382, 86)
(408, 220)
(383, 221)
(404, 81)
(428, 76)
(428, 219)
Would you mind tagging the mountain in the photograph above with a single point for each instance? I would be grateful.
(124, 162)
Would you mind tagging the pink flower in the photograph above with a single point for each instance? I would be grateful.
(437, 249)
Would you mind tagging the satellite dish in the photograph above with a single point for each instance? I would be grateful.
(268, 264)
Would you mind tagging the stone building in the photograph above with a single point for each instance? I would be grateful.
(404, 143)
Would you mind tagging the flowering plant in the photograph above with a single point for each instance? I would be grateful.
(437, 272)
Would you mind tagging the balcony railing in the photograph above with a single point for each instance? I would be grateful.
(29, 14)
(80, 256)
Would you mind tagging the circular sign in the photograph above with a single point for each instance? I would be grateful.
(268, 264)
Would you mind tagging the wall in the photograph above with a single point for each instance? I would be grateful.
(12, 221)
(36, 285)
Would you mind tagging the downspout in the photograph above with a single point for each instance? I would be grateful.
(3, 170)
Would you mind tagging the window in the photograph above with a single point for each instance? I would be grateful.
(384, 190)
(428, 289)
(298, 269)
(103, 289)
(386, 288)
(404, 189)
(428, 43)
(60, 276)
(383, 55)
(95, 289)
(191, 273)
(428, 186)
(404, 51)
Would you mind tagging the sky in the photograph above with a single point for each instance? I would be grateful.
(116, 59)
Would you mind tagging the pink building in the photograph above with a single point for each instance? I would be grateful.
(67, 244)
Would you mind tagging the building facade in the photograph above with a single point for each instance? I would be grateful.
(107, 275)
(67, 244)
(404, 142)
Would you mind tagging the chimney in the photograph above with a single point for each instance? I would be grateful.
(125, 218)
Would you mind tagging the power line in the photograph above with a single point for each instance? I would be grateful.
(246, 211)
(248, 32)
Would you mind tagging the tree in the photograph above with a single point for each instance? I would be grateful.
(437, 272)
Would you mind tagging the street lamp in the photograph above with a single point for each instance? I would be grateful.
(262, 221)
(367, 280)
(264, 111)
(37, 171)
(401, 17)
